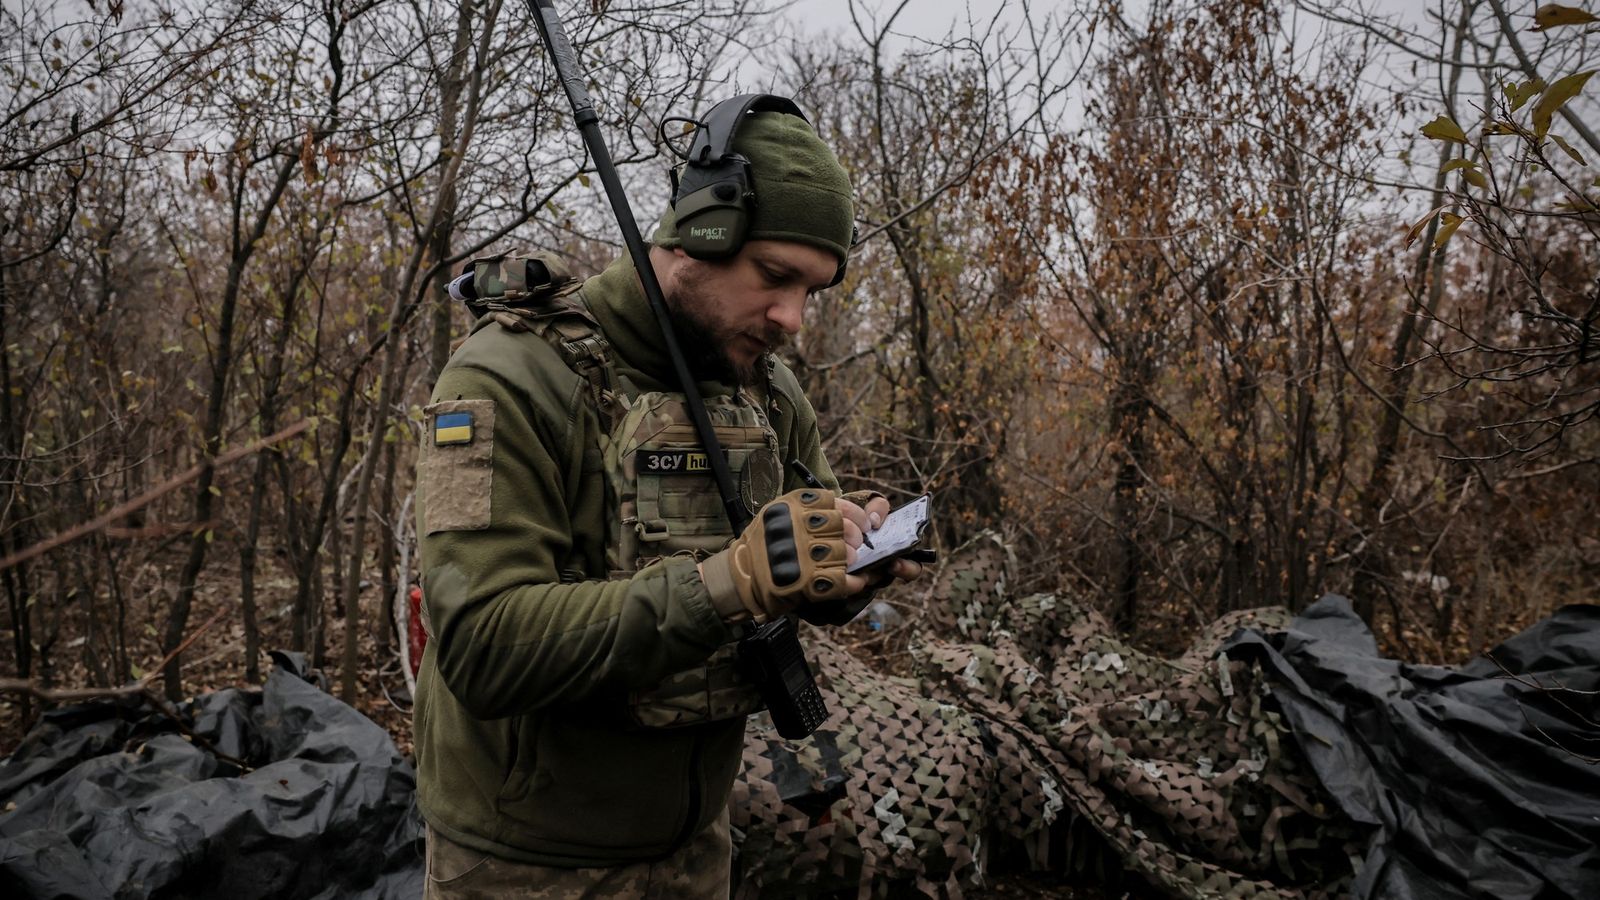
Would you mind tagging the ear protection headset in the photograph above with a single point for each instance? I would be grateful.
(713, 192)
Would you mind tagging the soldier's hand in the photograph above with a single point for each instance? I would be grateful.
(795, 552)
(875, 508)
(866, 510)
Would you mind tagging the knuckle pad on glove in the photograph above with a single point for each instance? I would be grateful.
(783, 555)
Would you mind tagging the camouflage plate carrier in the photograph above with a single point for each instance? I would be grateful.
(661, 499)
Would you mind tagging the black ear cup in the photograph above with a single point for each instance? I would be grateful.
(713, 220)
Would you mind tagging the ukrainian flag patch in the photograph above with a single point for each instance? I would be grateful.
(452, 428)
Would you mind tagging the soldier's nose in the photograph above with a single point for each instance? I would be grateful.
(788, 312)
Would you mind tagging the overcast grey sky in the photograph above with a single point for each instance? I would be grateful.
(932, 19)
(925, 19)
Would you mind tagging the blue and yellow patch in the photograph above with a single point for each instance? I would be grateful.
(452, 428)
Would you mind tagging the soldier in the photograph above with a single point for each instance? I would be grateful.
(579, 717)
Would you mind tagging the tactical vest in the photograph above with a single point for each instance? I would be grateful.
(661, 500)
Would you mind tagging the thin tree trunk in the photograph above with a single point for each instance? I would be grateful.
(247, 567)
(1301, 413)
(318, 613)
(1371, 574)
(271, 383)
(21, 585)
(1130, 412)
(351, 593)
(386, 550)
(451, 83)
(308, 569)
(386, 485)
(337, 20)
(244, 248)
(11, 540)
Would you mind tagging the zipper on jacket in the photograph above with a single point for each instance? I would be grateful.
(687, 831)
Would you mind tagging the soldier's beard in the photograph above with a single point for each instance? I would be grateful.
(704, 336)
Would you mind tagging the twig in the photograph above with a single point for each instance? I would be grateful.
(1554, 693)
(1592, 760)
(143, 688)
(29, 688)
(1535, 683)
(1548, 470)
(186, 643)
(157, 530)
(150, 496)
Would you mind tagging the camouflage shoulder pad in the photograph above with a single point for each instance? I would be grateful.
(520, 281)
(537, 292)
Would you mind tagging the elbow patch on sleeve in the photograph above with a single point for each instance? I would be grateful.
(455, 469)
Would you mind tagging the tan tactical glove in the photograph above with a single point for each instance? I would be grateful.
(793, 553)
(838, 612)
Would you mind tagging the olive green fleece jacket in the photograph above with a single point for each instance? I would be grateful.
(521, 742)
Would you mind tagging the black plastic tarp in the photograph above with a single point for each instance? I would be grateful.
(1478, 780)
(108, 800)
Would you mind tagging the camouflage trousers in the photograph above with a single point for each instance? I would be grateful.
(700, 870)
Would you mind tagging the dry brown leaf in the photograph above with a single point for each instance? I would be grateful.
(1444, 129)
(1520, 94)
(308, 154)
(1554, 15)
(1448, 223)
(1562, 143)
(1554, 97)
(1415, 231)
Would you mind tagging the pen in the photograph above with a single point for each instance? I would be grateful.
(812, 482)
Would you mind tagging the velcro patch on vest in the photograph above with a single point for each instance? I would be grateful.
(455, 470)
(675, 462)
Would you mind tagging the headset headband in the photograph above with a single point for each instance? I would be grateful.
(713, 140)
(713, 193)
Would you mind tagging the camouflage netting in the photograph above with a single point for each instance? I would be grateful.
(1029, 729)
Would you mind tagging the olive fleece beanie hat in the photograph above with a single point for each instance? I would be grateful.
(802, 193)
